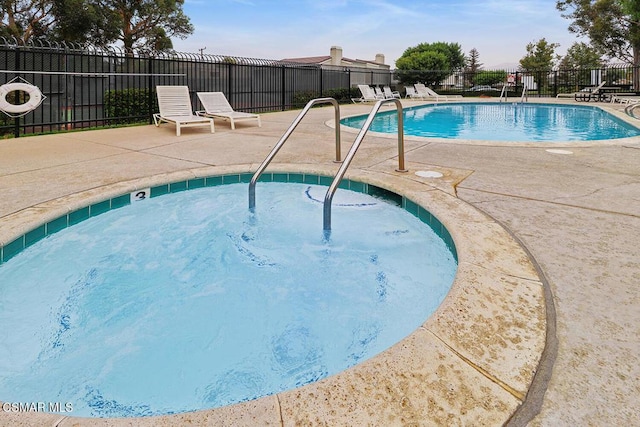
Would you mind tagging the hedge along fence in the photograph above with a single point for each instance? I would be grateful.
(343, 96)
(129, 105)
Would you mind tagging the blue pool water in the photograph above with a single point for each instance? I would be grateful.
(526, 122)
(188, 301)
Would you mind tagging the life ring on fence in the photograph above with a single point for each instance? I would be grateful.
(35, 98)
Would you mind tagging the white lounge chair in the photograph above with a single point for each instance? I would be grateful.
(584, 94)
(368, 94)
(596, 94)
(436, 95)
(174, 104)
(427, 93)
(217, 106)
(421, 90)
(388, 93)
(624, 99)
(410, 92)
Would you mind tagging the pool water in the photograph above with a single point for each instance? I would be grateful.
(525, 122)
(188, 301)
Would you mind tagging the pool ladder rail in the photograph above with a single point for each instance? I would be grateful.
(525, 95)
(523, 98)
(503, 94)
(629, 109)
(337, 179)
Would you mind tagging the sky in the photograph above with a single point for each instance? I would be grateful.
(498, 29)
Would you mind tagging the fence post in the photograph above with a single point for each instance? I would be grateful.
(347, 71)
(284, 89)
(230, 68)
(16, 120)
(150, 94)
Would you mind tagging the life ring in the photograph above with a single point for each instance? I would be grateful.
(35, 98)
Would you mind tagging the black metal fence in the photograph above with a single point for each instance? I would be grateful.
(618, 78)
(92, 87)
(97, 87)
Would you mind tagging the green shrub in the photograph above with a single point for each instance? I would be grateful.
(6, 125)
(342, 95)
(128, 105)
(301, 98)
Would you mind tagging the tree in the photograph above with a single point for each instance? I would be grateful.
(490, 77)
(581, 55)
(473, 65)
(141, 24)
(540, 56)
(429, 62)
(25, 19)
(75, 21)
(612, 26)
(138, 24)
(472, 61)
(52, 20)
(575, 67)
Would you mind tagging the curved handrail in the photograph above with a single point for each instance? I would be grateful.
(283, 139)
(629, 109)
(503, 94)
(525, 95)
(352, 152)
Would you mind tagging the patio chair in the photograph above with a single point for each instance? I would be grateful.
(410, 92)
(595, 94)
(421, 90)
(174, 104)
(624, 99)
(433, 93)
(427, 93)
(217, 106)
(388, 93)
(368, 95)
(587, 94)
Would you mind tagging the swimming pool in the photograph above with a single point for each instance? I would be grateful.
(526, 122)
(119, 274)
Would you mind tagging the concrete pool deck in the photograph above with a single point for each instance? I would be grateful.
(549, 280)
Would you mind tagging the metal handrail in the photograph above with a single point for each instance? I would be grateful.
(503, 94)
(629, 109)
(352, 151)
(283, 139)
(524, 94)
